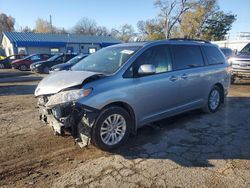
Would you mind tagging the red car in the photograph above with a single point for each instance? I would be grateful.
(24, 64)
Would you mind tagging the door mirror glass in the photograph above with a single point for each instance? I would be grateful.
(146, 69)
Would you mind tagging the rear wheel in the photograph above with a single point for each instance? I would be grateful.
(112, 128)
(214, 100)
(23, 67)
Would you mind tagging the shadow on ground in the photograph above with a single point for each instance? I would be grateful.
(195, 138)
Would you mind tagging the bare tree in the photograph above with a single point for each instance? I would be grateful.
(27, 29)
(171, 12)
(6, 23)
(125, 33)
(101, 30)
(85, 26)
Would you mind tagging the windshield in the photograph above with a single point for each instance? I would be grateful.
(53, 58)
(75, 59)
(107, 60)
(246, 50)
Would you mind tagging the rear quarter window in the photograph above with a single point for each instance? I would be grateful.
(187, 56)
(214, 55)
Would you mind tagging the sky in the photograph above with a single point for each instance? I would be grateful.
(109, 13)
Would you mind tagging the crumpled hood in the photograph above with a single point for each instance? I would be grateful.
(61, 80)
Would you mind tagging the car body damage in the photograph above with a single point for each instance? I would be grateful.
(58, 106)
(61, 80)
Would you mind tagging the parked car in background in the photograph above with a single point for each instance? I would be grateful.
(24, 64)
(68, 64)
(228, 52)
(241, 64)
(111, 93)
(6, 62)
(44, 66)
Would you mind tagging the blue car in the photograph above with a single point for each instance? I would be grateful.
(68, 64)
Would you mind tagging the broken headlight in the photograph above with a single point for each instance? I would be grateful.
(67, 96)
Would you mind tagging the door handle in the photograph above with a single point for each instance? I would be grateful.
(173, 78)
(184, 76)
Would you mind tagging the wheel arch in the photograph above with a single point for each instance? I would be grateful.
(219, 85)
(129, 109)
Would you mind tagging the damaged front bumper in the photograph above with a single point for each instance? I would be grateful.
(74, 118)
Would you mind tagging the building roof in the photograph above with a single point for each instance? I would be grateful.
(56, 40)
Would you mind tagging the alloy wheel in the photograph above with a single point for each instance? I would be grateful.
(113, 129)
(214, 99)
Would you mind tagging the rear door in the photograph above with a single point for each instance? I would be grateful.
(156, 95)
(189, 66)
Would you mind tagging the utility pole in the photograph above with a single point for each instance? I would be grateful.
(50, 21)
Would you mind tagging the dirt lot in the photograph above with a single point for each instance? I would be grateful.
(190, 150)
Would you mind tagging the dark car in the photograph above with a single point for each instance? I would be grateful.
(24, 64)
(68, 64)
(241, 64)
(228, 52)
(6, 62)
(44, 66)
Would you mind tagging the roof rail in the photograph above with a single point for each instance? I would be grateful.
(186, 39)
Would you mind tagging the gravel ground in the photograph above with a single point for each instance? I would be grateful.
(189, 150)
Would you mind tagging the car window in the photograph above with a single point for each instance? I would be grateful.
(214, 56)
(68, 57)
(246, 49)
(12, 57)
(59, 58)
(45, 56)
(227, 52)
(107, 60)
(187, 56)
(35, 57)
(159, 56)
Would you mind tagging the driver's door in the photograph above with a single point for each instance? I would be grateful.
(157, 94)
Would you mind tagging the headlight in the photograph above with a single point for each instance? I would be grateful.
(37, 65)
(67, 96)
(57, 69)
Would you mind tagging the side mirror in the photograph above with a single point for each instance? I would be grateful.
(146, 69)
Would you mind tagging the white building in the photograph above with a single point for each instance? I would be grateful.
(235, 45)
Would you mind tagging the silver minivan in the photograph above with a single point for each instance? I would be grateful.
(113, 92)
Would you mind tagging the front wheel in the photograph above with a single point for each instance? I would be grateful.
(232, 80)
(214, 100)
(46, 70)
(112, 128)
(23, 67)
(2, 66)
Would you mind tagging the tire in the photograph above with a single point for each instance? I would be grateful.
(214, 100)
(233, 80)
(46, 70)
(106, 141)
(2, 66)
(23, 67)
